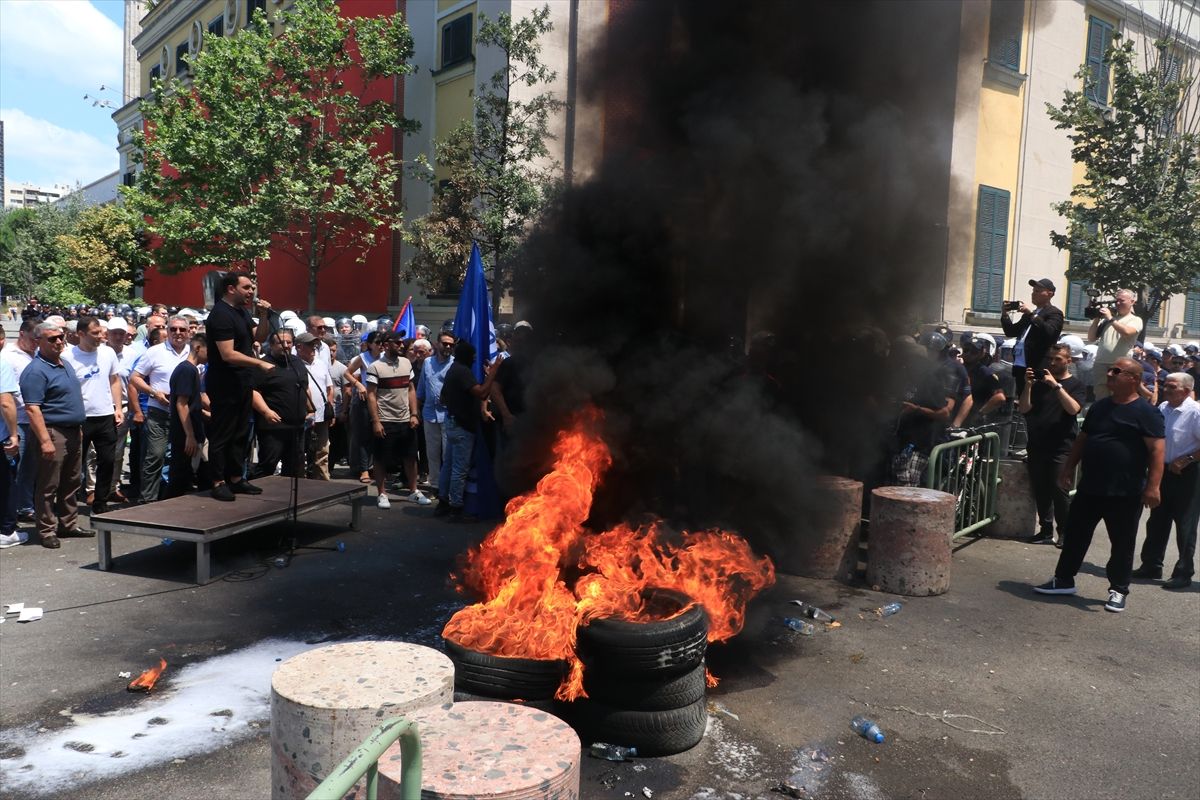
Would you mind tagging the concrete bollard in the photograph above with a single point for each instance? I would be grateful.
(908, 550)
(831, 551)
(1016, 511)
(489, 749)
(325, 702)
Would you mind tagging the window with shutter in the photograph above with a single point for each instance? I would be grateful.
(456, 40)
(181, 66)
(1004, 33)
(1077, 298)
(1191, 310)
(251, 7)
(1100, 33)
(217, 26)
(1170, 68)
(991, 248)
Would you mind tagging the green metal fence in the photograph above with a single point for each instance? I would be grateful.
(969, 469)
(365, 761)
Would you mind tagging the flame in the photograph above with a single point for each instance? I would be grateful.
(145, 682)
(521, 570)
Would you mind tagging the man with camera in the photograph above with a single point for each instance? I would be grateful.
(1035, 330)
(1115, 331)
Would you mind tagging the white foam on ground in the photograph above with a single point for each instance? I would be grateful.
(237, 684)
(740, 759)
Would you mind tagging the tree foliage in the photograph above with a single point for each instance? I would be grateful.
(271, 142)
(33, 260)
(105, 253)
(500, 175)
(1134, 221)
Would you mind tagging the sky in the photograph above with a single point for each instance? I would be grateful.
(52, 53)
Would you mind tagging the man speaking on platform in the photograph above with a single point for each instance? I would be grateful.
(230, 381)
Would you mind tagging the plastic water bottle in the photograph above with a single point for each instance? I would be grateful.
(341, 546)
(812, 612)
(612, 752)
(889, 609)
(168, 541)
(867, 729)
(800, 626)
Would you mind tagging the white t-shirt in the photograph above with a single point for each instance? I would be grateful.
(156, 366)
(18, 359)
(125, 361)
(94, 371)
(319, 381)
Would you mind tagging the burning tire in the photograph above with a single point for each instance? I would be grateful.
(655, 694)
(501, 677)
(653, 733)
(665, 646)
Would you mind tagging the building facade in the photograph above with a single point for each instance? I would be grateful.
(1009, 163)
(24, 195)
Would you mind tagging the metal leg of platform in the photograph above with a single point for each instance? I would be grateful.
(203, 551)
(104, 549)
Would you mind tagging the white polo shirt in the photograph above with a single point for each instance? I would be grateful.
(156, 366)
(18, 359)
(94, 371)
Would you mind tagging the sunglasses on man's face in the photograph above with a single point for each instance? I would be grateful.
(55, 338)
(180, 330)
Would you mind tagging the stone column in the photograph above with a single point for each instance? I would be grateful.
(908, 550)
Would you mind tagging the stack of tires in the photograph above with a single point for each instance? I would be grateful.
(644, 680)
(482, 676)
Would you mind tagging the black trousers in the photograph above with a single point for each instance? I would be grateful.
(1044, 469)
(1120, 515)
(227, 434)
(101, 433)
(282, 447)
(1180, 506)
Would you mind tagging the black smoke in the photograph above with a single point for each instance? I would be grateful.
(775, 179)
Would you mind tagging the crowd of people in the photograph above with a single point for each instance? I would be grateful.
(183, 401)
(1138, 445)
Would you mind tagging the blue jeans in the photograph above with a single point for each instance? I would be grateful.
(460, 442)
(26, 469)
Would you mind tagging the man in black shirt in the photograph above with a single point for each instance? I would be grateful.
(1050, 406)
(186, 434)
(229, 381)
(280, 401)
(1121, 451)
(461, 396)
(1037, 327)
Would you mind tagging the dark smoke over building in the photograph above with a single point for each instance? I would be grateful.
(778, 167)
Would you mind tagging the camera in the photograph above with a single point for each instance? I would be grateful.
(1095, 303)
(1010, 305)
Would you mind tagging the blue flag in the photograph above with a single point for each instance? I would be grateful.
(406, 323)
(473, 322)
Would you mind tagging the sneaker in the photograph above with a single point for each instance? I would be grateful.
(222, 492)
(419, 499)
(1147, 573)
(244, 487)
(1056, 586)
(383, 502)
(1116, 601)
(1042, 538)
(13, 539)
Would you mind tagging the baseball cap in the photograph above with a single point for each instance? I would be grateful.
(1075, 343)
(305, 338)
(118, 324)
(1043, 283)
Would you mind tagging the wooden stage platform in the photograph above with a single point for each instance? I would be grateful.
(199, 518)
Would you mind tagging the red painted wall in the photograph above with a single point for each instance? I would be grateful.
(343, 284)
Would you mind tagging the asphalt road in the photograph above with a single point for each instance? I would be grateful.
(1079, 703)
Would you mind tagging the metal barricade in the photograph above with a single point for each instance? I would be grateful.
(969, 469)
(365, 761)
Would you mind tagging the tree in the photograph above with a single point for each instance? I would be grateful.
(32, 258)
(1134, 221)
(272, 143)
(106, 253)
(501, 176)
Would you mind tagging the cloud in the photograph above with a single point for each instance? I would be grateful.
(41, 152)
(66, 41)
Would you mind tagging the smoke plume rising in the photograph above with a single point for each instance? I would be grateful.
(768, 167)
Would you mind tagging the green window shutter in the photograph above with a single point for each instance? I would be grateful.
(1004, 33)
(1099, 38)
(991, 246)
(1191, 310)
(1077, 299)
